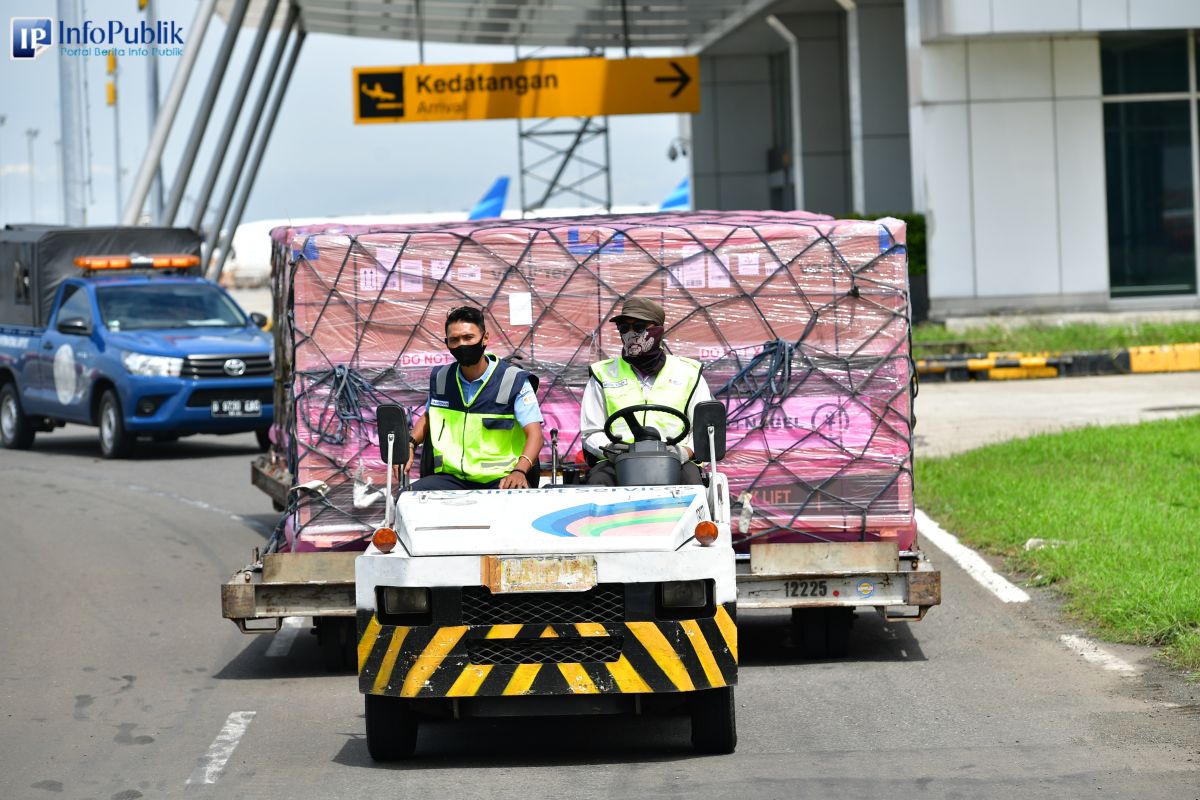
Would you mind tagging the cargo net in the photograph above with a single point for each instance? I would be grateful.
(800, 321)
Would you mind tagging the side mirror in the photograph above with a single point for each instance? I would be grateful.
(709, 414)
(259, 319)
(391, 419)
(76, 326)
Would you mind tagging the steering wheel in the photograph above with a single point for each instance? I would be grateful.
(640, 434)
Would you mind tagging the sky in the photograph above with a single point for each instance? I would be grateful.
(319, 163)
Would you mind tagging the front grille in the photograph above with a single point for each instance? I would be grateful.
(604, 603)
(589, 649)
(257, 365)
(202, 398)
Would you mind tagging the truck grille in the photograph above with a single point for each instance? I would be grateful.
(598, 649)
(257, 365)
(604, 603)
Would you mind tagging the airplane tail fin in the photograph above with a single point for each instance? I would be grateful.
(491, 205)
(679, 199)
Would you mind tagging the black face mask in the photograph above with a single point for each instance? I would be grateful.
(467, 354)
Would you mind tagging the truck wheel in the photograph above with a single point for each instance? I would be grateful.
(264, 439)
(115, 441)
(16, 429)
(335, 638)
(823, 632)
(714, 721)
(391, 728)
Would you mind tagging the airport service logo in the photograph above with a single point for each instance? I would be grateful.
(30, 37)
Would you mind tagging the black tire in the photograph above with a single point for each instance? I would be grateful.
(16, 429)
(115, 441)
(823, 632)
(391, 728)
(263, 435)
(714, 721)
(335, 638)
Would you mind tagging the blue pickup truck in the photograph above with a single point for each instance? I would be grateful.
(114, 327)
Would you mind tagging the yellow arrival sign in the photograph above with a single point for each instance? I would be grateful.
(550, 87)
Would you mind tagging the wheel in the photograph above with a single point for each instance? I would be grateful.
(823, 632)
(264, 439)
(16, 429)
(714, 721)
(115, 441)
(335, 638)
(391, 728)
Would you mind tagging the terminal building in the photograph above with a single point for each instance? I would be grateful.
(1051, 144)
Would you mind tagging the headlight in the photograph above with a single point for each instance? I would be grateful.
(684, 594)
(154, 366)
(406, 600)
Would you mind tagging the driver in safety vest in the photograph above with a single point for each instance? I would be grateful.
(482, 417)
(643, 374)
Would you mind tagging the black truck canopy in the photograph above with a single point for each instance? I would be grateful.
(35, 259)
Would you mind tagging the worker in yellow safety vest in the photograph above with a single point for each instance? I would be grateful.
(482, 417)
(644, 373)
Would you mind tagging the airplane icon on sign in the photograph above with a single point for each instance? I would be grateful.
(377, 92)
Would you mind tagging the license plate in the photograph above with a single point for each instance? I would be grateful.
(504, 574)
(236, 408)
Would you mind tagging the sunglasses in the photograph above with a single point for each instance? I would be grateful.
(638, 326)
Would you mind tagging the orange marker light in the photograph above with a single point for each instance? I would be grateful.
(103, 262)
(384, 540)
(706, 532)
(176, 261)
(167, 260)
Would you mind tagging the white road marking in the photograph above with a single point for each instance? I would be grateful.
(249, 523)
(212, 765)
(1094, 654)
(970, 561)
(281, 642)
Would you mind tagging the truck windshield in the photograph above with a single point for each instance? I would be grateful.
(126, 308)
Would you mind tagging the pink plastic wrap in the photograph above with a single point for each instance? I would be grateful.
(800, 322)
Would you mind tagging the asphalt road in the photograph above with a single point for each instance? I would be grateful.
(117, 672)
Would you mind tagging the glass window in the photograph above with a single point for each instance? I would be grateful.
(1144, 63)
(1151, 218)
(75, 305)
(167, 305)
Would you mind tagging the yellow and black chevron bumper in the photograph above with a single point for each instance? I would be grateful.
(547, 659)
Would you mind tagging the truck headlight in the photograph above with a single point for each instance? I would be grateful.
(405, 600)
(152, 366)
(684, 594)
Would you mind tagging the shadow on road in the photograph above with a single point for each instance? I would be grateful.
(79, 442)
(303, 660)
(536, 742)
(766, 638)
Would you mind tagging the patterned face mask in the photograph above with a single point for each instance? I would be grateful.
(641, 342)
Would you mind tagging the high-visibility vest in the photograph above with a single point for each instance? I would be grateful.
(673, 386)
(478, 441)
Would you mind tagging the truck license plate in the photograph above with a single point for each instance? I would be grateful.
(504, 574)
(236, 408)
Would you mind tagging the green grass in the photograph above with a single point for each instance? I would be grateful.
(1125, 503)
(1054, 338)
